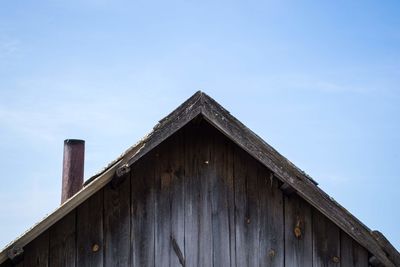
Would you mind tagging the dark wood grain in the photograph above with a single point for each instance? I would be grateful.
(177, 198)
(63, 242)
(162, 221)
(352, 254)
(198, 222)
(271, 232)
(298, 232)
(222, 200)
(247, 206)
(37, 252)
(89, 229)
(117, 224)
(143, 212)
(326, 242)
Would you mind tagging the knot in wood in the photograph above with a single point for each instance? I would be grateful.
(248, 220)
(297, 232)
(271, 253)
(298, 228)
(95, 247)
(335, 259)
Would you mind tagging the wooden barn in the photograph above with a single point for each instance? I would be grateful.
(200, 190)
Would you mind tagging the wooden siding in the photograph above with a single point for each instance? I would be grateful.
(195, 200)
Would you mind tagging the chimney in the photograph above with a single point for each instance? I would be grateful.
(73, 164)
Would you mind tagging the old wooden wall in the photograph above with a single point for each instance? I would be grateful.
(196, 200)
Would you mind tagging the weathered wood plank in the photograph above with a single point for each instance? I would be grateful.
(230, 180)
(352, 254)
(37, 252)
(192, 196)
(205, 212)
(169, 190)
(143, 212)
(117, 224)
(222, 200)
(198, 229)
(326, 242)
(271, 213)
(63, 242)
(89, 229)
(298, 232)
(247, 213)
(163, 183)
(177, 198)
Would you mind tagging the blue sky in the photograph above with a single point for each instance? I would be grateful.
(318, 80)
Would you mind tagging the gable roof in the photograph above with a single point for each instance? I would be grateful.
(201, 104)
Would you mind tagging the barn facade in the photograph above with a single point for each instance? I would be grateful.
(200, 190)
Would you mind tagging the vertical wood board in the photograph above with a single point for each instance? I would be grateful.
(117, 224)
(63, 242)
(89, 229)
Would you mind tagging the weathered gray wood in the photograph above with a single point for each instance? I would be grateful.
(163, 183)
(298, 232)
(222, 199)
(143, 212)
(192, 196)
(352, 254)
(230, 180)
(247, 205)
(198, 224)
(89, 229)
(271, 232)
(205, 212)
(63, 242)
(178, 251)
(293, 176)
(117, 224)
(37, 252)
(326, 242)
(389, 249)
(177, 198)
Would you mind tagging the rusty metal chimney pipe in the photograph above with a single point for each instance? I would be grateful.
(73, 167)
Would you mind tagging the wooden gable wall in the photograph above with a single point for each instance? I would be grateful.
(195, 200)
